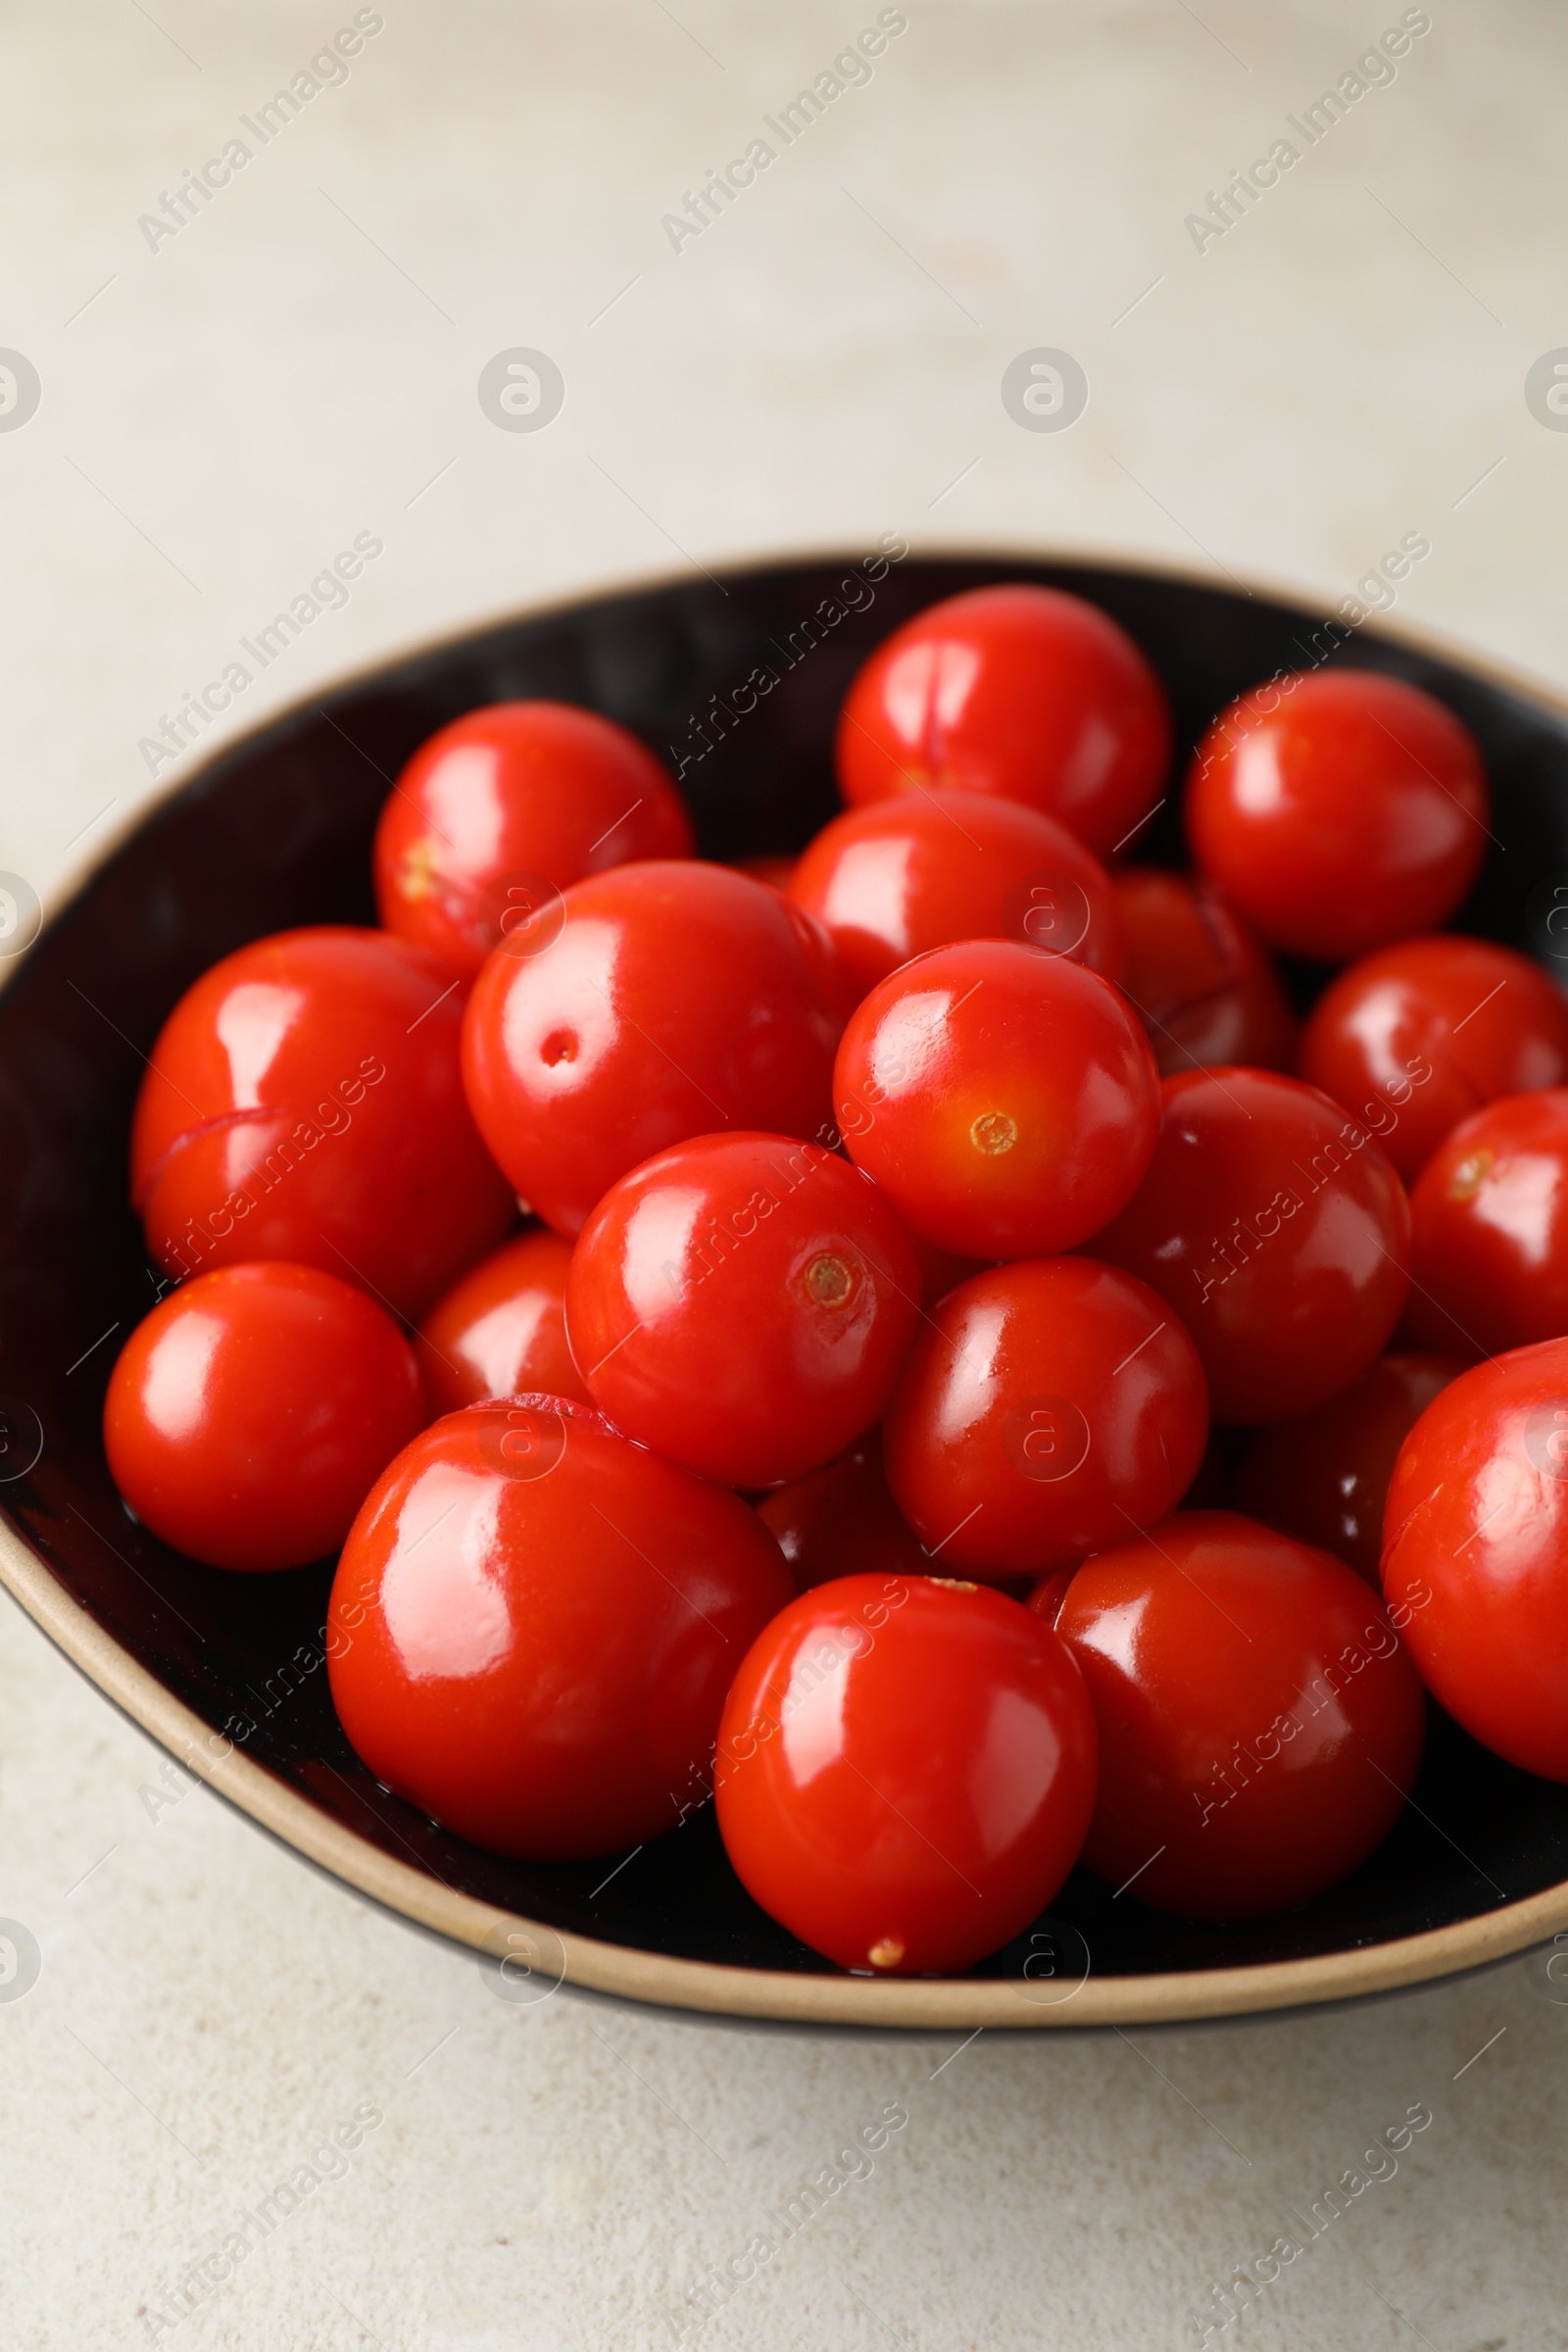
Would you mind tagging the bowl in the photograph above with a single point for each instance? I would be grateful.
(228, 1671)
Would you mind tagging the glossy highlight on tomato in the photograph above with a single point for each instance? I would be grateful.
(1484, 1021)
(667, 1000)
(905, 1772)
(893, 879)
(500, 1330)
(1278, 1232)
(1202, 981)
(1003, 1099)
(742, 1234)
(1339, 808)
(250, 1411)
(1025, 692)
(1476, 1553)
(507, 803)
(304, 1100)
(1047, 1408)
(1260, 1723)
(533, 1625)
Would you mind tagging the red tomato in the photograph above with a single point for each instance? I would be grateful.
(740, 1304)
(1202, 984)
(891, 880)
(249, 1413)
(1023, 692)
(1490, 1263)
(533, 1625)
(1434, 1028)
(1047, 1408)
(500, 809)
(1324, 1478)
(672, 999)
(304, 1100)
(1004, 1099)
(1259, 1723)
(1476, 1559)
(905, 1769)
(501, 1330)
(1339, 810)
(1278, 1232)
(842, 1521)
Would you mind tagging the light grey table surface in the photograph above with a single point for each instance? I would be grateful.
(224, 406)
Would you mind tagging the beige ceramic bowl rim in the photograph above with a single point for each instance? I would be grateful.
(705, 1986)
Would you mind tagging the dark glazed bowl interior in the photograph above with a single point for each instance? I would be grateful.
(276, 832)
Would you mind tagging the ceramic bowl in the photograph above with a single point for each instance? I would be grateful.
(228, 1671)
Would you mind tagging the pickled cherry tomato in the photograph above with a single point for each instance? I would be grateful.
(304, 1100)
(1202, 982)
(1004, 1099)
(1278, 1232)
(1338, 809)
(657, 1002)
(1024, 692)
(1047, 1408)
(1476, 1558)
(888, 881)
(1260, 1725)
(1324, 1478)
(905, 1769)
(842, 1521)
(1476, 1019)
(507, 803)
(533, 1625)
(740, 1304)
(252, 1411)
(1490, 1258)
(501, 1330)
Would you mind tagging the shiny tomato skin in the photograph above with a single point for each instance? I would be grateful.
(501, 1330)
(1004, 1099)
(1260, 1725)
(1338, 809)
(905, 1772)
(674, 998)
(249, 1414)
(1323, 1478)
(740, 1304)
(1490, 1261)
(1047, 1408)
(304, 1100)
(1435, 1027)
(1278, 1232)
(1024, 692)
(892, 879)
(842, 1521)
(1475, 1562)
(533, 1625)
(523, 794)
(1202, 981)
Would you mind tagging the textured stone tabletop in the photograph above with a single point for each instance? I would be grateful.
(237, 372)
